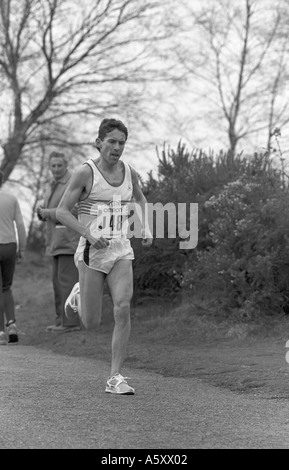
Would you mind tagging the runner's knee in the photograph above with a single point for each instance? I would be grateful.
(122, 311)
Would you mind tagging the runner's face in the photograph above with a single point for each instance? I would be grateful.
(112, 146)
(57, 167)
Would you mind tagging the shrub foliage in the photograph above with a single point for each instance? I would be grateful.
(242, 256)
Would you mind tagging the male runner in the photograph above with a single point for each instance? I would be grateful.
(103, 187)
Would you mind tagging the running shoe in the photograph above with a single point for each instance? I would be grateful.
(3, 339)
(118, 384)
(12, 332)
(71, 303)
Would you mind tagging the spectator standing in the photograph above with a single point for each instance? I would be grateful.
(61, 243)
(12, 246)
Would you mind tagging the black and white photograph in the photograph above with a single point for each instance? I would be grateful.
(144, 227)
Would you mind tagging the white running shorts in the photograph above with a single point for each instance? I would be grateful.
(105, 258)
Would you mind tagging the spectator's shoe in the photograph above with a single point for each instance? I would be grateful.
(3, 339)
(71, 303)
(118, 384)
(12, 332)
(63, 329)
(57, 323)
(50, 327)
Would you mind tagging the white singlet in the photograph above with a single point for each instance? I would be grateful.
(104, 213)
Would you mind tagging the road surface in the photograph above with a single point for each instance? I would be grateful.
(50, 401)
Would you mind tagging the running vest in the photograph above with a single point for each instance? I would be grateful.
(105, 211)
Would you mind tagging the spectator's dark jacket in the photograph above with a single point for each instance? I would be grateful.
(60, 240)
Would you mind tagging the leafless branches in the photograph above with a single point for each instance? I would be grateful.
(65, 59)
(240, 57)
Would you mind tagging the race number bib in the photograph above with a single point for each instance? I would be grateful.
(110, 220)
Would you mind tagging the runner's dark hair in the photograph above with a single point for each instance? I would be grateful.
(109, 124)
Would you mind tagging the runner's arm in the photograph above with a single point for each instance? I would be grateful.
(142, 203)
(20, 226)
(64, 212)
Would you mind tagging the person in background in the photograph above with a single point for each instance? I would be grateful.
(12, 246)
(61, 243)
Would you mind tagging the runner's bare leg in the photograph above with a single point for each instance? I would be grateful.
(120, 282)
(91, 284)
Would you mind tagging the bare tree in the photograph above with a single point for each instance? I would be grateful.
(278, 104)
(235, 45)
(65, 60)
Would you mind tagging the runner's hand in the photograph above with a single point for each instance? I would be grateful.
(99, 243)
(147, 239)
(147, 242)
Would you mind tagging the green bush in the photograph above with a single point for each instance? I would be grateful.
(183, 177)
(246, 266)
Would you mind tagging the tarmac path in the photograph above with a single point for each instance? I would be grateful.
(52, 401)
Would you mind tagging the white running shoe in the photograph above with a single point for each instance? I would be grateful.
(118, 384)
(71, 303)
